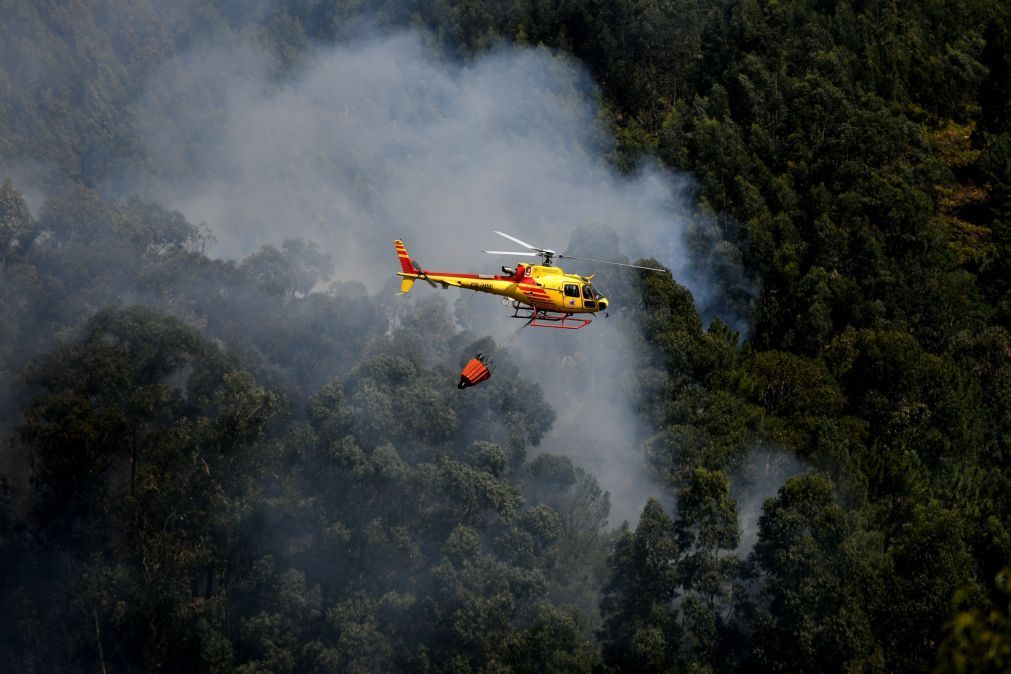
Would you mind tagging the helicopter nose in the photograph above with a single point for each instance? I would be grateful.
(602, 303)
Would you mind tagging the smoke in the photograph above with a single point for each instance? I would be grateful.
(384, 139)
(589, 376)
(756, 481)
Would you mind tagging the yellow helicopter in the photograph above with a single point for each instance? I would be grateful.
(542, 294)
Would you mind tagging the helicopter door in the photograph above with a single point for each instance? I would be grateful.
(572, 301)
(589, 301)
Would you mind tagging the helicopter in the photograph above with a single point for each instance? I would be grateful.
(542, 294)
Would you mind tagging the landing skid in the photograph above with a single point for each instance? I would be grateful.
(539, 318)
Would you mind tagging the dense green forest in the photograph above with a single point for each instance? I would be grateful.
(258, 465)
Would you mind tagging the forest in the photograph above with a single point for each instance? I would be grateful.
(260, 462)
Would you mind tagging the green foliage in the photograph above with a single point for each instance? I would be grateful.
(142, 437)
(708, 532)
(177, 507)
(16, 222)
(296, 268)
(931, 563)
(808, 608)
(979, 641)
(641, 631)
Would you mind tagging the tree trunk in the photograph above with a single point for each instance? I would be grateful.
(133, 462)
(98, 640)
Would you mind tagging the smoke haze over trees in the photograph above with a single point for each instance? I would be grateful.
(227, 446)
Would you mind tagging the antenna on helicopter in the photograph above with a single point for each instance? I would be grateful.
(548, 255)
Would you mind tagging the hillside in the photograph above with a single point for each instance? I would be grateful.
(228, 446)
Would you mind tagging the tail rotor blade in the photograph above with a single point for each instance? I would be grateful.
(423, 276)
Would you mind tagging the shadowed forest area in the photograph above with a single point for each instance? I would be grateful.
(263, 465)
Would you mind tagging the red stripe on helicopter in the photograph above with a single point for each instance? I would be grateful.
(449, 274)
(484, 277)
(405, 261)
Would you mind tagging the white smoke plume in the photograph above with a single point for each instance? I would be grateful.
(757, 480)
(384, 139)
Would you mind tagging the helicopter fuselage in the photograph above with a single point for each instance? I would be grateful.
(541, 287)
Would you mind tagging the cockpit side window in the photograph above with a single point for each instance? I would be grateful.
(571, 290)
(587, 292)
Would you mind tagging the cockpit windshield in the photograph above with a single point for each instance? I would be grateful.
(590, 293)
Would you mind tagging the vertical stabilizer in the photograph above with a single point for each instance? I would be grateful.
(405, 259)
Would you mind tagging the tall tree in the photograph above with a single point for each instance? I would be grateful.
(708, 534)
(809, 615)
(641, 632)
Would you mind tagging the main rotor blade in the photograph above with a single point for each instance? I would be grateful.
(619, 264)
(509, 252)
(515, 240)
